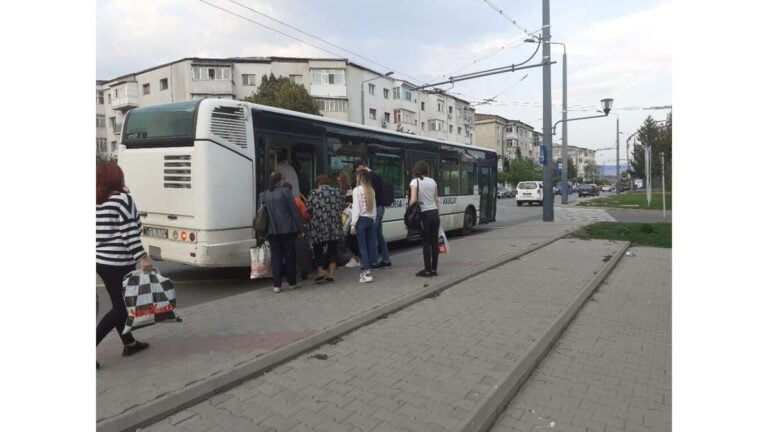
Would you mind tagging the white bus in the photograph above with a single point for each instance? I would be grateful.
(196, 168)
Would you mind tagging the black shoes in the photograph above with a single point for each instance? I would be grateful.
(382, 264)
(424, 273)
(130, 350)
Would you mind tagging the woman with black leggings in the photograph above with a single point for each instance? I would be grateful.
(424, 191)
(118, 249)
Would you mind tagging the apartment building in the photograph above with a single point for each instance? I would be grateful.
(579, 156)
(510, 138)
(343, 90)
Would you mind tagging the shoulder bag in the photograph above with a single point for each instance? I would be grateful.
(413, 212)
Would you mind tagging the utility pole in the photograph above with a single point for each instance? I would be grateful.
(663, 189)
(648, 174)
(549, 205)
(618, 170)
(564, 190)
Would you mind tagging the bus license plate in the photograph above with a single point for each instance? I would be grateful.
(156, 232)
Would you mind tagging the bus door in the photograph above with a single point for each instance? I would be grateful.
(484, 184)
(298, 159)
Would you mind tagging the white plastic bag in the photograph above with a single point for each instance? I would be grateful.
(346, 220)
(261, 263)
(149, 298)
(442, 242)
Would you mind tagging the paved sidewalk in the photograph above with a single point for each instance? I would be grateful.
(218, 336)
(428, 367)
(611, 369)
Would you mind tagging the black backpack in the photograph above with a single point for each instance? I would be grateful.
(387, 192)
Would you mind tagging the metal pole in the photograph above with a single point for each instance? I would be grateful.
(663, 189)
(648, 174)
(549, 210)
(362, 104)
(618, 170)
(564, 176)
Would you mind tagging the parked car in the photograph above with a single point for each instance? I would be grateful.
(607, 188)
(530, 192)
(504, 192)
(558, 187)
(589, 190)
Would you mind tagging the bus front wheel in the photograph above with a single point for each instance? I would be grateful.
(469, 222)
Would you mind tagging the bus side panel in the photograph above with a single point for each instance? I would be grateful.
(225, 200)
(144, 176)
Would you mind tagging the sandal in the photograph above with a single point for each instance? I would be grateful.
(320, 279)
(130, 350)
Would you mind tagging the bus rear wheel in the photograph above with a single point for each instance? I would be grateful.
(469, 222)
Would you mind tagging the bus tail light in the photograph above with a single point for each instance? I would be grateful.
(191, 236)
(183, 236)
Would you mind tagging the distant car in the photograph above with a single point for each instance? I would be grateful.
(606, 188)
(558, 187)
(530, 192)
(504, 192)
(589, 190)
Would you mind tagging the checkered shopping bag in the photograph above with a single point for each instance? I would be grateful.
(149, 298)
(261, 264)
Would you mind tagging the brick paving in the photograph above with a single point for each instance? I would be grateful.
(611, 369)
(424, 368)
(218, 336)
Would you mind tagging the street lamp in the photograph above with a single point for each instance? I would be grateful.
(362, 95)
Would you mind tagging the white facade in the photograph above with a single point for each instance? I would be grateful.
(508, 137)
(335, 84)
(578, 155)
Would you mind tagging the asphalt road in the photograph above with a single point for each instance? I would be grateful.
(200, 285)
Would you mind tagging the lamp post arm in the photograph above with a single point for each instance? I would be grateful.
(554, 128)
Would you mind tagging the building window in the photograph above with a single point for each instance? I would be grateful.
(164, 84)
(405, 116)
(371, 89)
(249, 79)
(458, 131)
(113, 123)
(109, 98)
(386, 93)
(386, 117)
(440, 105)
(372, 114)
(101, 121)
(332, 105)
(422, 125)
(145, 89)
(99, 97)
(422, 106)
(436, 125)
(328, 76)
(510, 129)
(211, 73)
(101, 144)
(450, 128)
(296, 79)
(408, 95)
(395, 92)
(450, 112)
(114, 145)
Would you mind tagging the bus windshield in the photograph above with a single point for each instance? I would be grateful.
(161, 122)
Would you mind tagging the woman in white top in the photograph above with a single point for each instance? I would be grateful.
(364, 223)
(424, 191)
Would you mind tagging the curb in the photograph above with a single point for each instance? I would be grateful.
(494, 405)
(175, 401)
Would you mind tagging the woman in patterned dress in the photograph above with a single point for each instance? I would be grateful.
(325, 206)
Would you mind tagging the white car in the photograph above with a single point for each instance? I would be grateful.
(606, 188)
(530, 192)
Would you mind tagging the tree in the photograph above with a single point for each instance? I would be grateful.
(283, 93)
(102, 158)
(659, 138)
(590, 170)
(521, 169)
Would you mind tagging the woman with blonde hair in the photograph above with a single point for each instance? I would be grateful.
(364, 223)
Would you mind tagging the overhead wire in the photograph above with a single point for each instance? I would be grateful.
(508, 18)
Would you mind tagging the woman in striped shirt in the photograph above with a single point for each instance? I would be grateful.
(118, 248)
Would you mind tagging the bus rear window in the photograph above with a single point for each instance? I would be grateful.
(171, 124)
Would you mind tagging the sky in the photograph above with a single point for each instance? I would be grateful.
(617, 49)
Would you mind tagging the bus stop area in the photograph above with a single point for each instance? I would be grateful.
(298, 357)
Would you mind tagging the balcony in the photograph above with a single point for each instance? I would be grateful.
(125, 97)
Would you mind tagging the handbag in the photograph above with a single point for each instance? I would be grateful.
(412, 217)
(261, 221)
(261, 261)
(149, 298)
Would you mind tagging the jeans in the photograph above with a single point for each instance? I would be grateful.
(430, 229)
(380, 244)
(366, 238)
(115, 318)
(282, 247)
